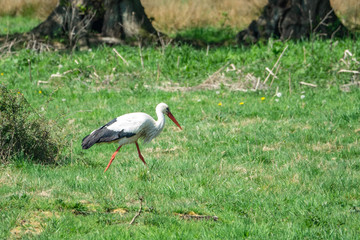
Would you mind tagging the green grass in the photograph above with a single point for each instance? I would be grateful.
(282, 168)
(210, 35)
(11, 25)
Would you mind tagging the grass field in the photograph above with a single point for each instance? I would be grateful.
(269, 166)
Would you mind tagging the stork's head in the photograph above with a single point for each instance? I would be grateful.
(164, 108)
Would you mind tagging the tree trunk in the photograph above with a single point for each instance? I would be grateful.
(125, 18)
(75, 20)
(293, 19)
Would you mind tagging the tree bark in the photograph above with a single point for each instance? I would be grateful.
(293, 19)
(77, 19)
(125, 18)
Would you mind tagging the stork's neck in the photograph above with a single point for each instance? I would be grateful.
(160, 123)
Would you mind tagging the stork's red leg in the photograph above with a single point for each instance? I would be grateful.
(113, 157)
(140, 156)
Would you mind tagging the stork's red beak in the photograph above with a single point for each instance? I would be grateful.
(173, 119)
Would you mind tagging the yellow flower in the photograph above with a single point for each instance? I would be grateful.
(2, 74)
(40, 92)
(263, 98)
(219, 103)
(241, 103)
(18, 92)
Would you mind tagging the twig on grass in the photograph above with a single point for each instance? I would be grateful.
(274, 76)
(275, 65)
(139, 212)
(308, 84)
(122, 58)
(42, 82)
(348, 71)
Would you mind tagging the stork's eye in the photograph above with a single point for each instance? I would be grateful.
(167, 110)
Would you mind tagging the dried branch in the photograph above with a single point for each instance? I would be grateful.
(122, 58)
(274, 76)
(323, 20)
(75, 28)
(139, 212)
(275, 65)
(308, 84)
(348, 71)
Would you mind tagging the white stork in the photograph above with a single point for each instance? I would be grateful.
(128, 129)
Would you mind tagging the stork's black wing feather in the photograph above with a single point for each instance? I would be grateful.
(104, 134)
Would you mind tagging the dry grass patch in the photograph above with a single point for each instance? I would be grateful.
(348, 11)
(248, 121)
(92, 207)
(161, 150)
(120, 211)
(194, 216)
(233, 169)
(243, 82)
(34, 8)
(44, 193)
(9, 177)
(295, 178)
(325, 147)
(172, 15)
(33, 224)
(268, 148)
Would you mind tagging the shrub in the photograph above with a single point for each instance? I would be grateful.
(24, 132)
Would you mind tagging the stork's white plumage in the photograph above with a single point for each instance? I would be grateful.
(128, 129)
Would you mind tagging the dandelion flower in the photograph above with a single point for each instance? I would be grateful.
(18, 92)
(2, 74)
(241, 103)
(263, 98)
(40, 92)
(302, 96)
(219, 103)
(279, 94)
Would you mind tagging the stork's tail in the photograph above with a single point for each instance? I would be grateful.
(89, 140)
